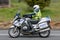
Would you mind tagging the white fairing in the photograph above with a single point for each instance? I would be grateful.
(18, 23)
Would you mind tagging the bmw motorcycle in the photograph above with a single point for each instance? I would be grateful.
(20, 26)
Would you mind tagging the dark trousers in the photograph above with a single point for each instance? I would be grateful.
(29, 23)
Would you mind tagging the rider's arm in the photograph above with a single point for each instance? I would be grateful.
(33, 13)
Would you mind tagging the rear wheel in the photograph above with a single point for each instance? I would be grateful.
(14, 34)
(44, 34)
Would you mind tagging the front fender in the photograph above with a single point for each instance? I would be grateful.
(12, 26)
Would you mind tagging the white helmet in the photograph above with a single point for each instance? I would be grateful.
(36, 7)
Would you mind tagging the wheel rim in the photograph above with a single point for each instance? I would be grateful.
(14, 34)
(44, 33)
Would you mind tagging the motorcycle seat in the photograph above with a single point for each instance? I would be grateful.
(34, 21)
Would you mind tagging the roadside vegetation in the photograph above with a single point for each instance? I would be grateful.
(7, 14)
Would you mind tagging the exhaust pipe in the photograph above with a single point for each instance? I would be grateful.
(45, 30)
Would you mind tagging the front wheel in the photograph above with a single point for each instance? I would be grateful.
(13, 34)
(44, 34)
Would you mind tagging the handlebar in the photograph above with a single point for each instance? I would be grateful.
(27, 16)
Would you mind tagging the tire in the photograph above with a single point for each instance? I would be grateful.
(46, 35)
(14, 35)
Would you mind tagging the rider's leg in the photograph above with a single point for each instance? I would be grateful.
(29, 23)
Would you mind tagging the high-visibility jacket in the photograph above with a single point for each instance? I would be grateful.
(37, 15)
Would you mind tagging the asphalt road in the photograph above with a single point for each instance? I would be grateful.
(55, 35)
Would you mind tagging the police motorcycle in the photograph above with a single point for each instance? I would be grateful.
(20, 26)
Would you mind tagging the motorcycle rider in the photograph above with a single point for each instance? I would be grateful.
(36, 15)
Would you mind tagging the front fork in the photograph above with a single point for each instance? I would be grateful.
(15, 29)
